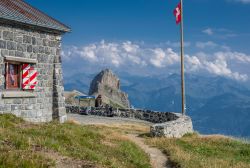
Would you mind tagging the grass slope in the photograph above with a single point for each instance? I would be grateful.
(27, 145)
(194, 151)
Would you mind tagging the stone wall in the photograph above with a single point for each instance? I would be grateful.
(47, 100)
(165, 123)
(173, 129)
(146, 115)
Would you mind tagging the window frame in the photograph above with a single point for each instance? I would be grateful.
(19, 92)
(7, 63)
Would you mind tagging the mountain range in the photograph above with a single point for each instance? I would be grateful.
(217, 105)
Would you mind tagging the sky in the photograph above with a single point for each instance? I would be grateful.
(141, 37)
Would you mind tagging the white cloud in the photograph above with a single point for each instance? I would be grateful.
(211, 45)
(218, 64)
(220, 67)
(118, 54)
(208, 31)
(176, 44)
(208, 44)
(220, 33)
(225, 47)
(129, 47)
(134, 57)
(193, 63)
(161, 58)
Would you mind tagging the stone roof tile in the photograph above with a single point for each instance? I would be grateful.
(20, 12)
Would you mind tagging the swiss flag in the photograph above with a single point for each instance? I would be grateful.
(177, 13)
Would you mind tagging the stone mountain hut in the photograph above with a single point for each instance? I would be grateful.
(31, 84)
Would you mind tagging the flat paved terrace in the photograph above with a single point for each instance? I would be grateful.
(98, 120)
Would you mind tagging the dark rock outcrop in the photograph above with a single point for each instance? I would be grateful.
(107, 84)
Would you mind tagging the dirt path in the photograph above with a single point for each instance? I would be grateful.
(157, 158)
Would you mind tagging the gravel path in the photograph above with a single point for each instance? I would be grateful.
(96, 120)
(157, 158)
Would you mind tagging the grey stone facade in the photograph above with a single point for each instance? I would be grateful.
(46, 102)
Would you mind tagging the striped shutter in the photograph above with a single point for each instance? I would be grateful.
(29, 77)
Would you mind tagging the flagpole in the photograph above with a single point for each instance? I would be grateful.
(182, 64)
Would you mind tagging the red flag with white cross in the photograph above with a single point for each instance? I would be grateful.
(177, 13)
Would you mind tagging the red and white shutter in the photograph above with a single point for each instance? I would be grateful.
(29, 77)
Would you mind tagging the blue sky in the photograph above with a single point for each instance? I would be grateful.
(150, 20)
(218, 30)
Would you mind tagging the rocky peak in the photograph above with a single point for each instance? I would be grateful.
(107, 84)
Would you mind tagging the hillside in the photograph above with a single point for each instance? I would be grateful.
(196, 151)
(24, 144)
(110, 146)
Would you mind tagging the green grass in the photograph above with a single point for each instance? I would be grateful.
(27, 145)
(194, 151)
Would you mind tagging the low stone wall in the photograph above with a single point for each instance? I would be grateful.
(165, 123)
(173, 129)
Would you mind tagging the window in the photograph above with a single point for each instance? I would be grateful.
(20, 76)
(13, 76)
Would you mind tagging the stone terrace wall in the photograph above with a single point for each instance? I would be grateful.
(173, 129)
(165, 123)
(146, 115)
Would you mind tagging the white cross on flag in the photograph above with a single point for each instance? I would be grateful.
(177, 13)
